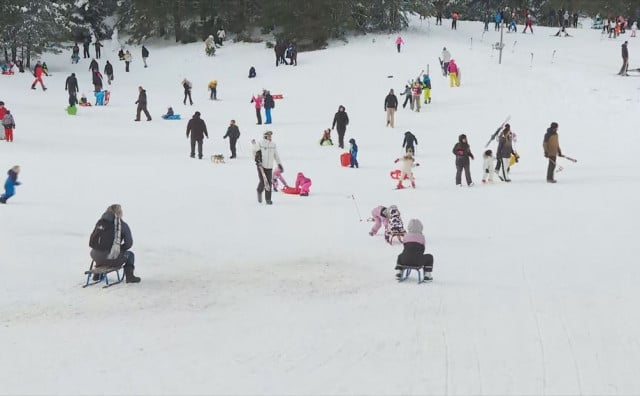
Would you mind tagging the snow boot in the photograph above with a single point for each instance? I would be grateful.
(259, 198)
(129, 276)
(400, 186)
(399, 274)
(413, 184)
(269, 203)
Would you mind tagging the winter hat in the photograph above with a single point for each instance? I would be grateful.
(1, 103)
(196, 114)
(267, 133)
(73, 74)
(444, 48)
(414, 226)
(341, 107)
(352, 141)
(554, 125)
(462, 137)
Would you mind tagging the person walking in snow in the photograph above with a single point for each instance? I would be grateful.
(197, 128)
(257, 104)
(462, 151)
(399, 42)
(233, 133)
(9, 124)
(390, 106)
(127, 61)
(97, 80)
(353, 153)
(528, 24)
(552, 151)
(75, 53)
(98, 45)
(145, 55)
(213, 89)
(38, 71)
(303, 183)
(413, 251)
(408, 97)
(186, 84)
(410, 142)
(406, 170)
(93, 65)
(504, 152)
(625, 60)
(10, 184)
(453, 73)
(340, 121)
(266, 156)
(269, 104)
(454, 20)
(71, 86)
(487, 165)
(108, 71)
(142, 104)
(446, 58)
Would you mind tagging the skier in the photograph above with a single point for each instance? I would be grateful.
(413, 252)
(380, 216)
(269, 104)
(399, 43)
(145, 55)
(504, 152)
(142, 104)
(127, 61)
(462, 151)
(71, 86)
(9, 125)
(551, 150)
(266, 155)
(257, 104)
(38, 71)
(98, 45)
(426, 88)
(303, 183)
(487, 164)
(213, 87)
(409, 142)
(110, 242)
(186, 84)
(625, 60)
(10, 184)
(390, 106)
(408, 97)
(233, 133)
(446, 58)
(353, 153)
(198, 130)
(108, 70)
(408, 163)
(340, 121)
(93, 65)
(453, 73)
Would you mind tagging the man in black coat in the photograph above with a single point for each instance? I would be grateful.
(98, 45)
(142, 104)
(233, 133)
(340, 120)
(85, 48)
(93, 65)
(625, 60)
(390, 106)
(198, 130)
(108, 71)
(71, 86)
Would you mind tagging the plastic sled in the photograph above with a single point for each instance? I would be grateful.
(345, 159)
(85, 104)
(8, 73)
(277, 96)
(171, 117)
(72, 110)
(290, 190)
(395, 175)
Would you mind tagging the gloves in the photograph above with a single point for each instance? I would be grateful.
(396, 161)
(280, 168)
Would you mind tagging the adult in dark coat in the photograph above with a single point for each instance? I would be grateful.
(409, 142)
(462, 151)
(142, 104)
(269, 104)
(85, 49)
(505, 149)
(98, 45)
(552, 150)
(97, 80)
(118, 241)
(71, 86)
(340, 121)
(233, 133)
(390, 106)
(94, 65)
(198, 130)
(625, 60)
(108, 71)
(279, 49)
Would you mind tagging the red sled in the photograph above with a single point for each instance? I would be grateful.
(290, 190)
(277, 96)
(345, 159)
(395, 174)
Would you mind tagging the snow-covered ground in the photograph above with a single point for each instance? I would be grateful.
(535, 288)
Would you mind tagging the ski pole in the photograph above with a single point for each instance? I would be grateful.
(471, 46)
(531, 64)
(357, 208)
(553, 55)
(569, 158)
(514, 46)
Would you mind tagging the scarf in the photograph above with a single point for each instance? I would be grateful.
(114, 253)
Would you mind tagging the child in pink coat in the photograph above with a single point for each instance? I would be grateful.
(303, 183)
(277, 177)
(399, 42)
(380, 216)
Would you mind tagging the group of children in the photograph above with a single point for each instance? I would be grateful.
(8, 122)
(325, 140)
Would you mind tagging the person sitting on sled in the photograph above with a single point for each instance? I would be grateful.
(408, 163)
(396, 226)
(326, 138)
(413, 252)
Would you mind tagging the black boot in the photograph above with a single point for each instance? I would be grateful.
(129, 276)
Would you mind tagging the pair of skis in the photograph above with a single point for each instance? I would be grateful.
(492, 138)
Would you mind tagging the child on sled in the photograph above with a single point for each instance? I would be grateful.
(326, 138)
(413, 253)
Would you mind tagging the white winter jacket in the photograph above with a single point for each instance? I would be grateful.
(269, 153)
(446, 56)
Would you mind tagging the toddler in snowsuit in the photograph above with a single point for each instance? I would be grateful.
(303, 183)
(353, 151)
(408, 163)
(277, 177)
(409, 142)
(169, 113)
(396, 226)
(326, 138)
(380, 216)
(487, 164)
(9, 125)
(413, 253)
(10, 184)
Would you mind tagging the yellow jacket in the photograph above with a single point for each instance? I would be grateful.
(213, 84)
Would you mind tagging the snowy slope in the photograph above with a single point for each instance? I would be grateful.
(535, 288)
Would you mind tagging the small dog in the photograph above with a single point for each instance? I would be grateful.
(217, 159)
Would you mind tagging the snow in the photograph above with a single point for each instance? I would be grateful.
(535, 289)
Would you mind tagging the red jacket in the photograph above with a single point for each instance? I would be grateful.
(38, 70)
(3, 112)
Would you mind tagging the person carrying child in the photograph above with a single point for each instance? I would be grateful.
(10, 184)
(326, 138)
(395, 227)
(487, 164)
(9, 125)
(413, 252)
(303, 183)
(408, 163)
(278, 178)
(353, 152)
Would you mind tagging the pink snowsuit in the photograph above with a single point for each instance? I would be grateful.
(277, 176)
(303, 183)
(379, 215)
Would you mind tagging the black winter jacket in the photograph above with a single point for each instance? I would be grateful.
(341, 120)
(142, 98)
(268, 101)
(71, 84)
(410, 140)
(197, 128)
(233, 132)
(391, 101)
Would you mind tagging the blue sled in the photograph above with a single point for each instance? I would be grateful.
(171, 117)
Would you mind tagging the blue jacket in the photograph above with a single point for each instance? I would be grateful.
(12, 180)
(498, 17)
(353, 150)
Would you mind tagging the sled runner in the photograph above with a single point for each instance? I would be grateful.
(103, 276)
(406, 271)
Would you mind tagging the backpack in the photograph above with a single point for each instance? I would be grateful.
(102, 236)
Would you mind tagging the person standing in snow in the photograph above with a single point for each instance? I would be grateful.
(108, 71)
(97, 80)
(257, 104)
(9, 124)
(269, 104)
(38, 71)
(85, 48)
(353, 153)
(625, 60)
(197, 128)
(446, 58)
(145, 55)
(10, 184)
(71, 86)
(454, 20)
(426, 88)
(408, 163)
(416, 93)
(127, 61)
(390, 106)
(487, 165)
(186, 84)
(213, 88)
(340, 121)
(142, 104)
(266, 156)
(233, 133)
(552, 150)
(98, 45)
(504, 151)
(453, 73)
(408, 97)
(413, 251)
(399, 42)
(528, 24)
(410, 142)
(93, 65)
(462, 151)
